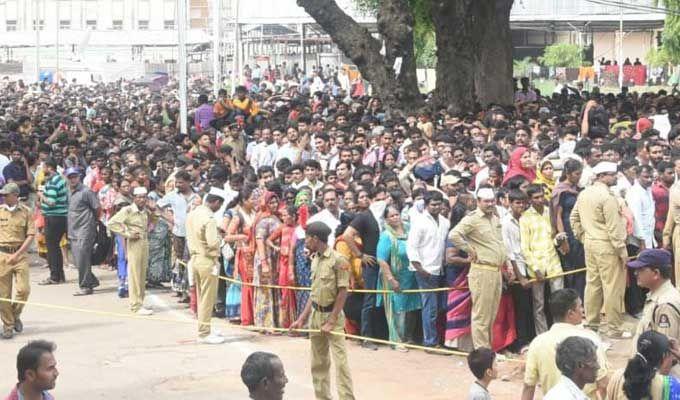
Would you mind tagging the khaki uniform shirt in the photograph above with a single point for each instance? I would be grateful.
(203, 238)
(673, 217)
(661, 312)
(330, 271)
(596, 217)
(540, 365)
(15, 225)
(484, 235)
(130, 220)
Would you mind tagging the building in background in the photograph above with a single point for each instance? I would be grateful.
(110, 39)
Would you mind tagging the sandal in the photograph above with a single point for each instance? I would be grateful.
(48, 281)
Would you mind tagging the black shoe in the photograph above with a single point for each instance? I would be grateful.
(84, 292)
(18, 325)
(184, 300)
(369, 345)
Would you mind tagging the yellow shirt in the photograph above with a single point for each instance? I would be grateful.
(483, 234)
(536, 239)
(540, 366)
(15, 225)
(330, 271)
(342, 248)
(202, 236)
(596, 218)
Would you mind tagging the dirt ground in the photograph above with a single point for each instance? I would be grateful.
(112, 357)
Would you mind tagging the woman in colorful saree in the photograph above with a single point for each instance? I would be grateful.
(395, 275)
(646, 377)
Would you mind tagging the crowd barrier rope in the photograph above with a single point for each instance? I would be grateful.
(241, 327)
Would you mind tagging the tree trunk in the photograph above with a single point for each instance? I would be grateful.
(456, 54)
(493, 80)
(395, 23)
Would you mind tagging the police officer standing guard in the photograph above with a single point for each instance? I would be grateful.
(16, 234)
(132, 222)
(204, 241)
(662, 306)
(599, 225)
(330, 280)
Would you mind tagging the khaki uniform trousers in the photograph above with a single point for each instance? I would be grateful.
(13, 276)
(605, 284)
(486, 284)
(205, 281)
(321, 359)
(676, 255)
(138, 263)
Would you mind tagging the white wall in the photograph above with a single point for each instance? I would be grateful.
(635, 44)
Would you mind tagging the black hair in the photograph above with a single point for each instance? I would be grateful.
(517, 195)
(29, 356)
(561, 302)
(312, 164)
(534, 188)
(652, 347)
(572, 353)
(183, 175)
(211, 198)
(257, 366)
(432, 195)
(480, 360)
(264, 169)
(662, 166)
(515, 182)
(319, 230)
(570, 166)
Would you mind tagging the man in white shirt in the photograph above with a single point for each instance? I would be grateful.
(641, 204)
(264, 153)
(425, 247)
(578, 364)
(330, 215)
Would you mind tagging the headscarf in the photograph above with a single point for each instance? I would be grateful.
(515, 166)
(558, 190)
(302, 201)
(547, 183)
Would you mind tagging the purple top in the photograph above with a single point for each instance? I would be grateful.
(204, 114)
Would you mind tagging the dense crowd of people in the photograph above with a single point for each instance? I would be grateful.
(494, 205)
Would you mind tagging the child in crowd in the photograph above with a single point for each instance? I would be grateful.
(482, 363)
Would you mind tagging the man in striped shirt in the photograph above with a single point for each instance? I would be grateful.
(54, 207)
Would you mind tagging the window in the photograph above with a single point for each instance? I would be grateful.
(40, 23)
(65, 24)
(91, 24)
(143, 25)
(169, 24)
(117, 25)
(11, 25)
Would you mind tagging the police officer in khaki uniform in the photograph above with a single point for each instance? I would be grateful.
(204, 242)
(598, 223)
(662, 306)
(132, 222)
(16, 234)
(479, 235)
(330, 280)
(671, 230)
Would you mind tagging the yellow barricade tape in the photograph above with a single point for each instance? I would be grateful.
(247, 328)
(385, 291)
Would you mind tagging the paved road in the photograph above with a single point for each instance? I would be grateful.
(110, 357)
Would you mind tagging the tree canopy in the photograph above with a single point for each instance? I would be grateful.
(473, 62)
(562, 55)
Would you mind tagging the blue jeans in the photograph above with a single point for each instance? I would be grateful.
(430, 308)
(370, 275)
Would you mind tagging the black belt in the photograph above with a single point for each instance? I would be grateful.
(9, 250)
(322, 308)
